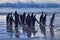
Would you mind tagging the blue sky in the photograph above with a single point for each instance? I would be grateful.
(27, 1)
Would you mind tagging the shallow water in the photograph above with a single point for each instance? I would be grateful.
(39, 36)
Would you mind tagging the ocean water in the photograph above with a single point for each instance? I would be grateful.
(39, 36)
(30, 10)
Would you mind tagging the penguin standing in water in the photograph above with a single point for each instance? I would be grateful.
(32, 24)
(41, 22)
(24, 20)
(16, 21)
(44, 24)
(44, 19)
(52, 20)
(11, 25)
(52, 26)
(7, 22)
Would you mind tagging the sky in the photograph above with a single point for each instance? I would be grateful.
(27, 1)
